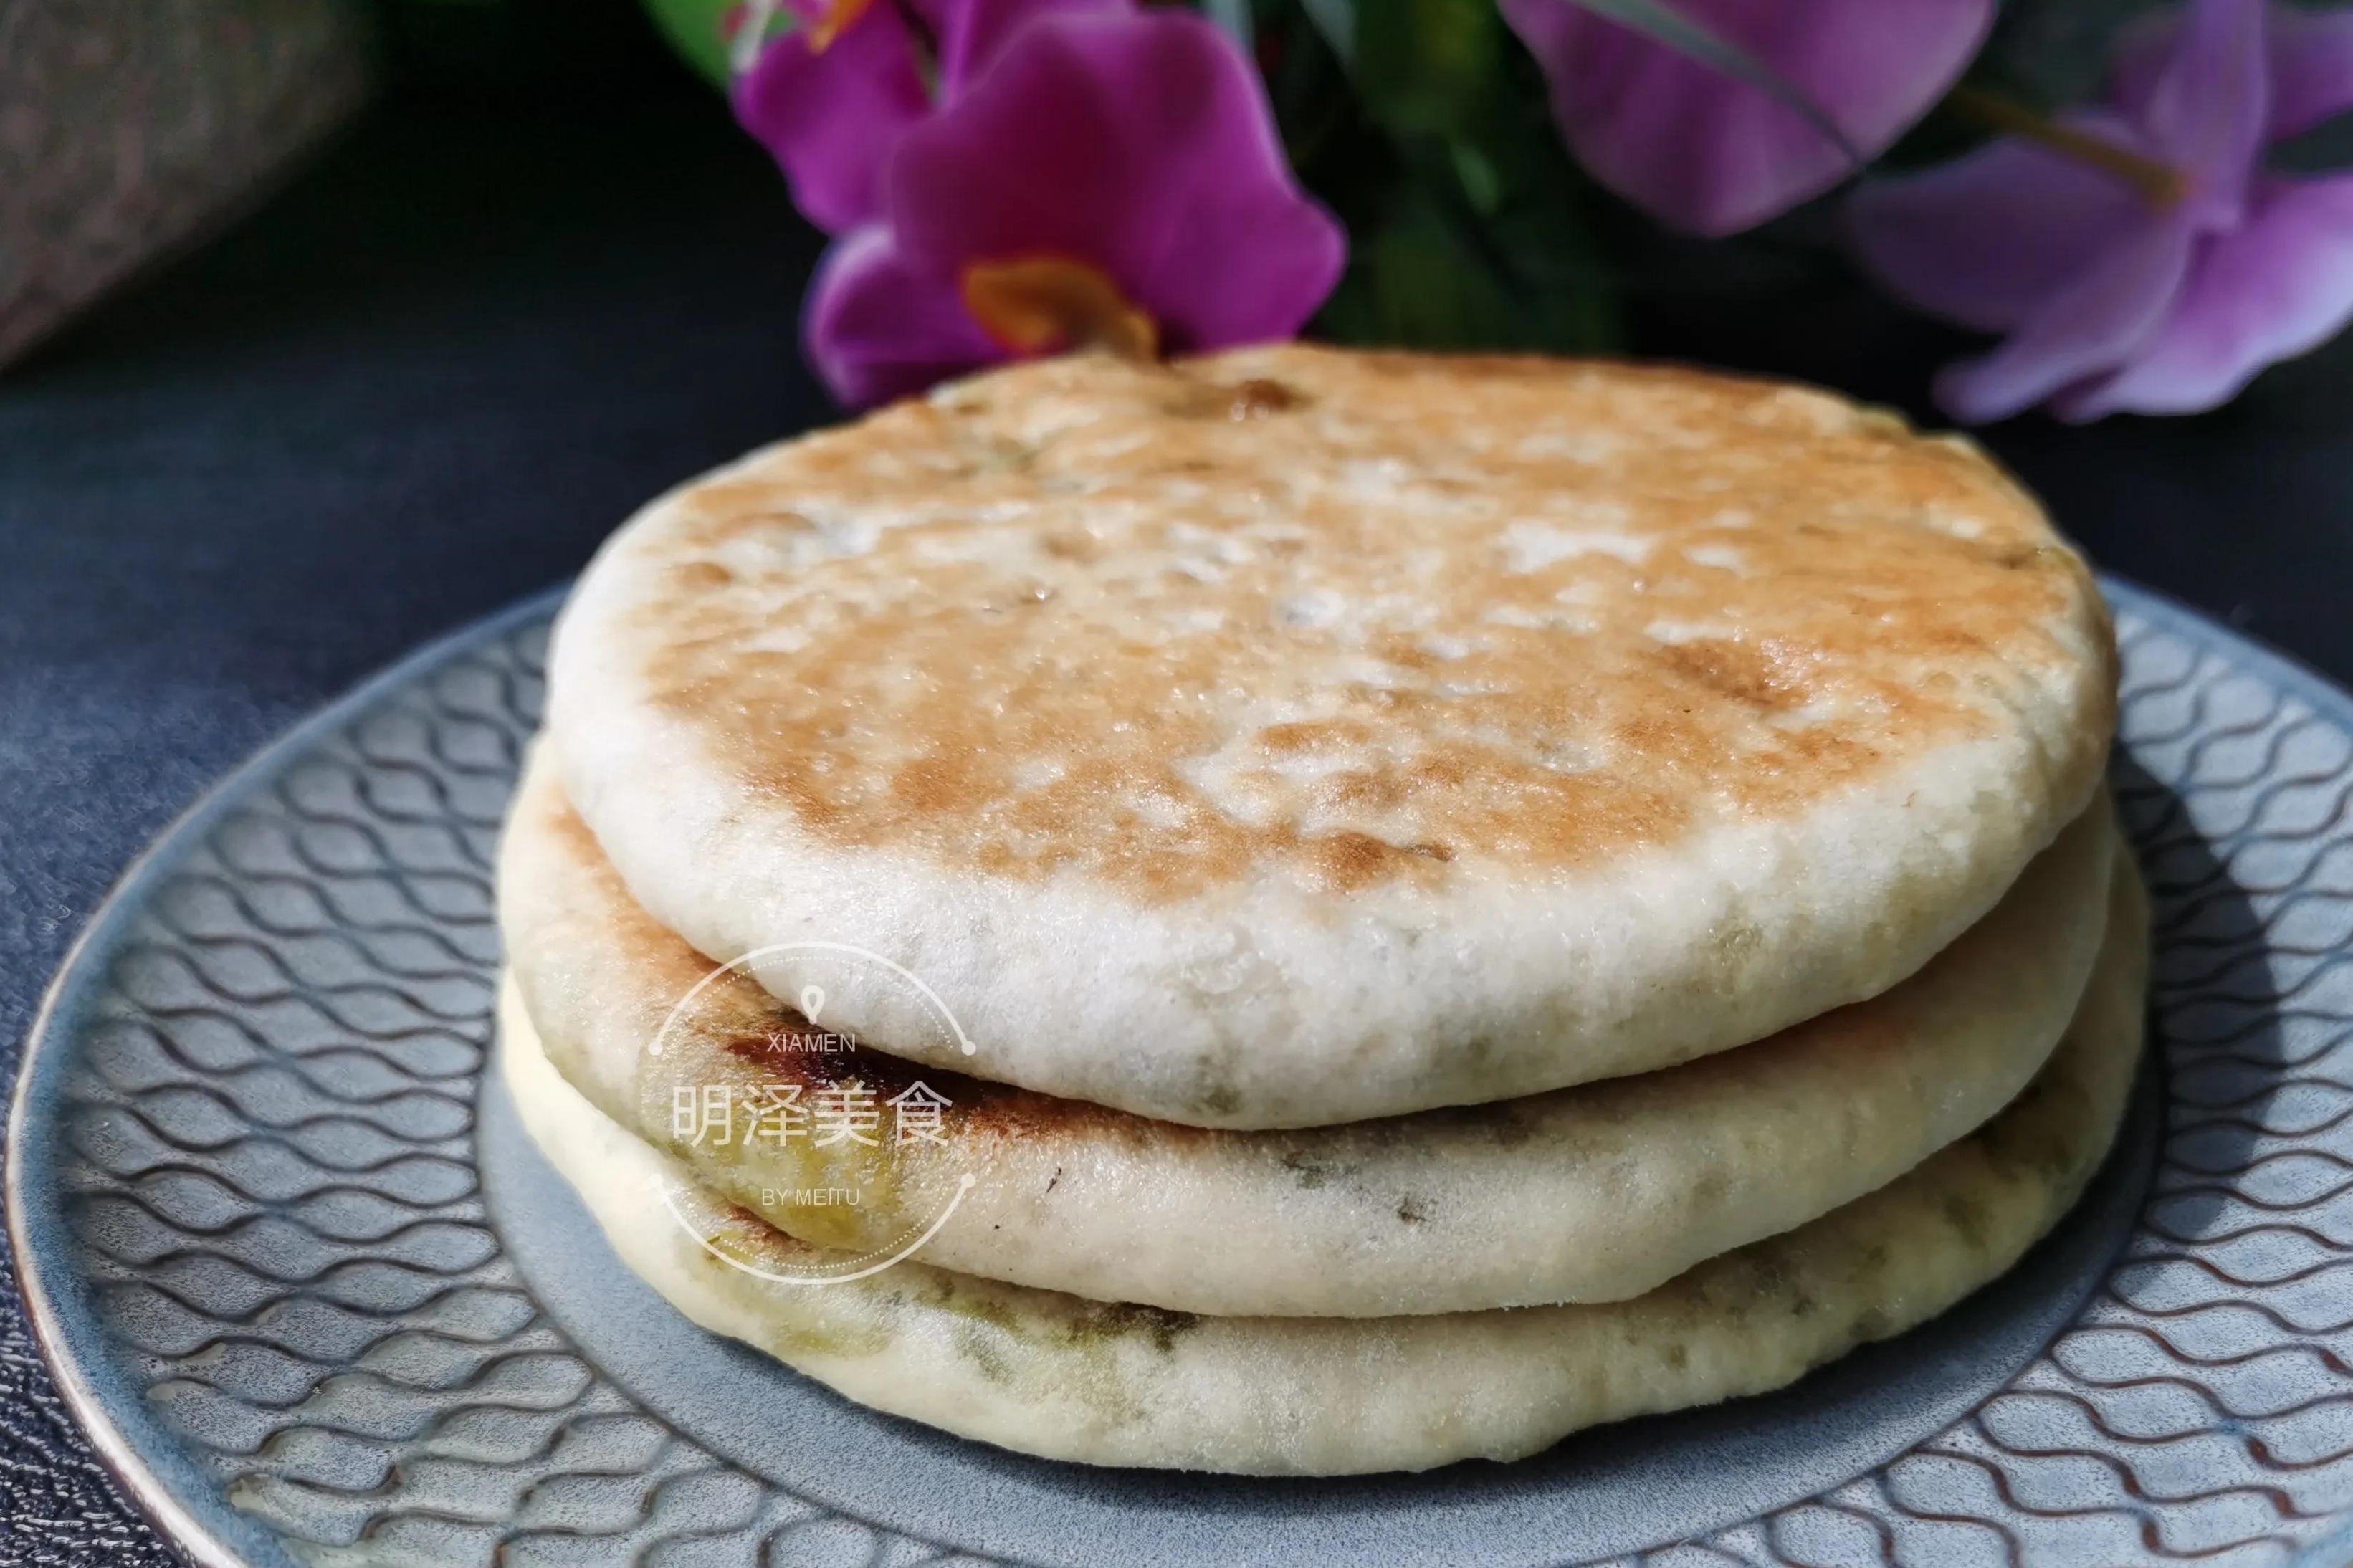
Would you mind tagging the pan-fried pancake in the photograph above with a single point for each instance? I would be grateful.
(1297, 736)
(1596, 1192)
(1072, 1379)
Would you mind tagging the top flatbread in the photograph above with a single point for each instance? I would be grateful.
(1296, 736)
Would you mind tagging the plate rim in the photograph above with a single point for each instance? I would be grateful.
(135, 1474)
(132, 1471)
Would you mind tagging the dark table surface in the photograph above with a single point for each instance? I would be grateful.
(433, 372)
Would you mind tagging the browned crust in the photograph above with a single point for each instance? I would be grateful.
(1097, 583)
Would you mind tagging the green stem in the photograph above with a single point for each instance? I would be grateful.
(2161, 185)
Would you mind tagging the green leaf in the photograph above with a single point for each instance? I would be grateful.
(1336, 21)
(1467, 219)
(1424, 278)
(695, 29)
(1425, 67)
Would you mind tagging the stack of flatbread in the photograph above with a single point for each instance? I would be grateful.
(1310, 913)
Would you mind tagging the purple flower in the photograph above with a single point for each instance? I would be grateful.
(832, 98)
(1106, 179)
(1703, 152)
(2118, 295)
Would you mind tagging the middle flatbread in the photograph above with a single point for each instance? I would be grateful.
(1592, 1193)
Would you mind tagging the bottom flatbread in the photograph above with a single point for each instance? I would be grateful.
(1067, 1378)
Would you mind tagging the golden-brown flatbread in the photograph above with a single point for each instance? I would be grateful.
(1297, 736)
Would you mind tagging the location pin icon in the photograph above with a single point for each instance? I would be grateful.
(812, 1002)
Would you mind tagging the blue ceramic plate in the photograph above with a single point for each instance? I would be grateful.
(317, 1301)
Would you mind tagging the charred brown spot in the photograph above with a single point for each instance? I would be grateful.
(1297, 738)
(1734, 670)
(938, 784)
(1377, 792)
(1348, 859)
(1071, 544)
(1258, 396)
(702, 575)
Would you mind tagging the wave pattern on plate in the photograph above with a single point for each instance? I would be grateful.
(271, 1192)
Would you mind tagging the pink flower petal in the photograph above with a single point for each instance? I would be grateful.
(830, 117)
(1984, 239)
(972, 33)
(2279, 286)
(2311, 64)
(2312, 67)
(2203, 99)
(1140, 143)
(1707, 153)
(2094, 325)
(878, 327)
(2132, 309)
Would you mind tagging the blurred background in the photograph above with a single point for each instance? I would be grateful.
(327, 324)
